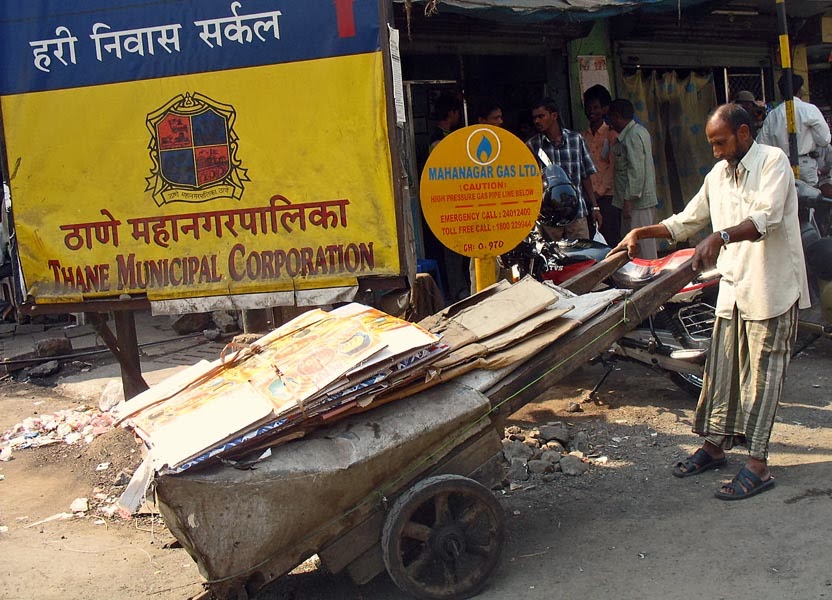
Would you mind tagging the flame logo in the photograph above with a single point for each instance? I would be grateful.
(483, 146)
(484, 149)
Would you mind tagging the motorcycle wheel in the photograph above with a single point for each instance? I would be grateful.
(689, 383)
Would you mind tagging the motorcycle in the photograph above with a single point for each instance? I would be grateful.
(815, 215)
(675, 339)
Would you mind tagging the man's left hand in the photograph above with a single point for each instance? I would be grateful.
(597, 218)
(707, 252)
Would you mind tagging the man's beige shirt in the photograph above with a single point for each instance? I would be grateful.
(764, 278)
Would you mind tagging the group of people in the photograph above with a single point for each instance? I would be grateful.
(749, 202)
(610, 165)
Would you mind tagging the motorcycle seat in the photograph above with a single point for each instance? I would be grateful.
(639, 272)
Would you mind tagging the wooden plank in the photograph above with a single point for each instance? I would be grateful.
(364, 568)
(96, 306)
(348, 547)
(469, 459)
(493, 471)
(558, 360)
(586, 281)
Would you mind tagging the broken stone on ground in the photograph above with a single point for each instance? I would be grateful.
(544, 452)
(55, 346)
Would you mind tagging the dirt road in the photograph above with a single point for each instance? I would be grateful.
(626, 529)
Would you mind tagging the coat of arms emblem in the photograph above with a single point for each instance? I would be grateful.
(193, 147)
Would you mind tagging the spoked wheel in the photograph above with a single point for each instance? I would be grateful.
(442, 539)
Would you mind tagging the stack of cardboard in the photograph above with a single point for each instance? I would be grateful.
(322, 366)
(503, 325)
(313, 369)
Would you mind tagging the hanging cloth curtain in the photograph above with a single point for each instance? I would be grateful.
(674, 111)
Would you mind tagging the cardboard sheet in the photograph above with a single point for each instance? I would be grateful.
(515, 334)
(503, 308)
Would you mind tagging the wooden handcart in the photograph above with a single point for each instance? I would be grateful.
(405, 487)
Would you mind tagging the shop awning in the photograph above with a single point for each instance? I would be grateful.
(532, 11)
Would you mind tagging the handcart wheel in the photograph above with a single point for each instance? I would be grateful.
(442, 538)
(224, 592)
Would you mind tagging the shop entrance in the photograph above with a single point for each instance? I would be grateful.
(513, 82)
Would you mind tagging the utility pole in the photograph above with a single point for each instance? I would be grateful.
(786, 63)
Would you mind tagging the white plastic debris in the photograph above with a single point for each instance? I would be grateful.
(72, 437)
(112, 395)
(133, 496)
(79, 505)
(62, 516)
(68, 426)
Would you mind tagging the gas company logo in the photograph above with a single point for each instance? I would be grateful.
(483, 146)
(194, 151)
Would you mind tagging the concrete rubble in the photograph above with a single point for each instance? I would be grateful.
(545, 452)
(55, 346)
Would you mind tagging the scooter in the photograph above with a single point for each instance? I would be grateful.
(815, 215)
(675, 339)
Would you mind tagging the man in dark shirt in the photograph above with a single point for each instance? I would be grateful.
(448, 111)
(454, 267)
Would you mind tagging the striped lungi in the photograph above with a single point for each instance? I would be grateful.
(743, 380)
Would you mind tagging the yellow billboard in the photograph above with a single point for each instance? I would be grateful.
(172, 155)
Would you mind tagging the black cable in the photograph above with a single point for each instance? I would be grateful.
(65, 357)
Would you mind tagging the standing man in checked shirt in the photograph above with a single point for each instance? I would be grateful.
(567, 149)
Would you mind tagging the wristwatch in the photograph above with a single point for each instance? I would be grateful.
(596, 208)
(726, 239)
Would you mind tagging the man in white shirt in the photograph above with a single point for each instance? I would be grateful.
(812, 130)
(749, 200)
